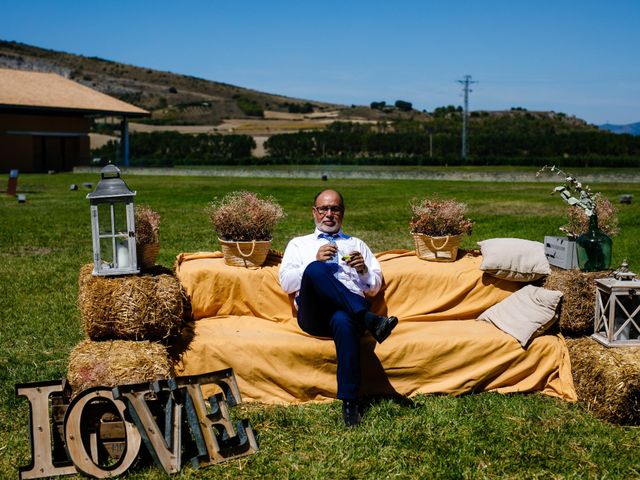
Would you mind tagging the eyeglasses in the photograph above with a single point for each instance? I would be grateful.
(323, 210)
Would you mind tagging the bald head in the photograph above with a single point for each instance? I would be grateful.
(315, 199)
(328, 211)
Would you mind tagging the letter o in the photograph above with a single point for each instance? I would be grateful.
(73, 430)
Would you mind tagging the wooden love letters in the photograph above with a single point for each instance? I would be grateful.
(100, 432)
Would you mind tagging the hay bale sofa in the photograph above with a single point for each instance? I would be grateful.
(243, 320)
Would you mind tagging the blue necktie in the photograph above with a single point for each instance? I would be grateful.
(332, 241)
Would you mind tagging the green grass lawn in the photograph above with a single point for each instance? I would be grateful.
(44, 241)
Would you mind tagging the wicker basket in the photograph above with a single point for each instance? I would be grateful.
(437, 249)
(245, 254)
(147, 254)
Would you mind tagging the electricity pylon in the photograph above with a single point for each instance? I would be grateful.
(465, 115)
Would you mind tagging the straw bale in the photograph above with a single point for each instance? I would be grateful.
(578, 305)
(133, 307)
(117, 362)
(607, 380)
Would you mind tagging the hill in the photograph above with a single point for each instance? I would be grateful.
(176, 99)
(194, 105)
(631, 128)
(171, 97)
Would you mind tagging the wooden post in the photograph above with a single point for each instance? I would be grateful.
(13, 183)
(124, 141)
(430, 145)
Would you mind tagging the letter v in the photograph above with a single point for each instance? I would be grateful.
(165, 449)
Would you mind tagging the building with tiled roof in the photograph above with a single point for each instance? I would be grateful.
(45, 121)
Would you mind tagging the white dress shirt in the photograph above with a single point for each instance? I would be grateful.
(301, 251)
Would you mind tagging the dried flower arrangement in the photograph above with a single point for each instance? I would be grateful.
(147, 235)
(244, 216)
(578, 221)
(583, 204)
(147, 225)
(438, 217)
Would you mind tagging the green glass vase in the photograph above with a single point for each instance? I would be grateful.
(594, 248)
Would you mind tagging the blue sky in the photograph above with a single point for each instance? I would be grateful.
(578, 57)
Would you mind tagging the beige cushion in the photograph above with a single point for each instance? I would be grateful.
(514, 259)
(526, 313)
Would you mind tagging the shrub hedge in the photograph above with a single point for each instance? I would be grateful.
(359, 146)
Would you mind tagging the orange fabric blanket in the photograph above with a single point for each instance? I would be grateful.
(245, 321)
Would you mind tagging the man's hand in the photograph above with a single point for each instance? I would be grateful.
(326, 252)
(356, 261)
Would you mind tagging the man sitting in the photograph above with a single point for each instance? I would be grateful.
(330, 273)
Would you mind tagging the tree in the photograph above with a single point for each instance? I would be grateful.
(404, 106)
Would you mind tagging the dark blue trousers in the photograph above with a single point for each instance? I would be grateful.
(326, 308)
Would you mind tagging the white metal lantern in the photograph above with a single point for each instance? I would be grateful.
(617, 319)
(113, 225)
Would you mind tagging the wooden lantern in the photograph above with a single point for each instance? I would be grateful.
(113, 225)
(617, 318)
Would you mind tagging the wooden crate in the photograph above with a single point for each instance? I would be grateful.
(561, 252)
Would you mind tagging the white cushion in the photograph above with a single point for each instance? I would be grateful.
(514, 259)
(526, 313)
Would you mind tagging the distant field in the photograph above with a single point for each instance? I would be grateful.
(239, 126)
(529, 172)
(44, 241)
(509, 174)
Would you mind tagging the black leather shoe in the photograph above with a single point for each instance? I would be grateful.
(351, 413)
(384, 327)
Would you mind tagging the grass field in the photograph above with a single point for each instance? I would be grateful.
(44, 241)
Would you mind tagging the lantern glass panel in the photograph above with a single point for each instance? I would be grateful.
(104, 218)
(106, 251)
(112, 218)
(627, 311)
(122, 256)
(120, 220)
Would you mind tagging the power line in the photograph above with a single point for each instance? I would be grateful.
(465, 115)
